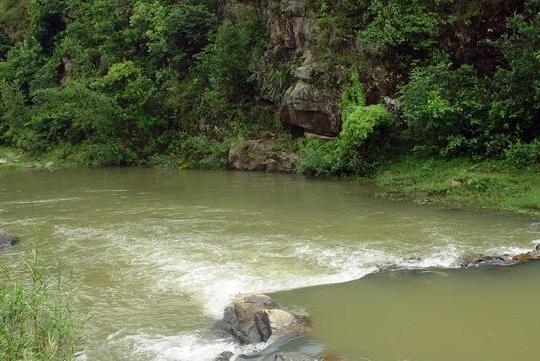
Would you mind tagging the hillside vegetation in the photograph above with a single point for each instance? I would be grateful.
(165, 82)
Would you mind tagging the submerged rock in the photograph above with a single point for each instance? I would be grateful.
(261, 155)
(224, 356)
(256, 318)
(281, 356)
(503, 260)
(7, 239)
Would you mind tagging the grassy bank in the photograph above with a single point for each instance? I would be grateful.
(462, 182)
(12, 158)
(37, 322)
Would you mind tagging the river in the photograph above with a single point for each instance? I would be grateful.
(158, 254)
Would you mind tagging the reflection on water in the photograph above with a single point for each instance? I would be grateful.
(160, 253)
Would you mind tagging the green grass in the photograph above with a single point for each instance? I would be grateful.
(462, 182)
(13, 158)
(36, 319)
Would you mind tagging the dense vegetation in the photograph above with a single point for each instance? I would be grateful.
(37, 322)
(172, 82)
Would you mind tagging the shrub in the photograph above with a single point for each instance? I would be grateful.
(324, 158)
(37, 322)
(187, 28)
(14, 115)
(446, 109)
(109, 154)
(515, 109)
(228, 61)
(523, 154)
(200, 152)
(73, 113)
(359, 145)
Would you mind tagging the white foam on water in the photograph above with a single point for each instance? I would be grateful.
(185, 347)
(44, 201)
(214, 268)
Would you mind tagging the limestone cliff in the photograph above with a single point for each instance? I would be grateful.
(305, 107)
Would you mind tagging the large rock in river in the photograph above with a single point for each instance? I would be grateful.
(256, 318)
(261, 155)
(7, 239)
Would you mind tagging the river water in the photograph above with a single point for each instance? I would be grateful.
(158, 254)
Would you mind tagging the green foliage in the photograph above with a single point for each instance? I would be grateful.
(14, 18)
(46, 21)
(38, 322)
(360, 142)
(515, 107)
(120, 82)
(359, 121)
(523, 155)
(227, 61)
(186, 31)
(446, 109)
(14, 115)
(72, 113)
(110, 154)
(324, 158)
(200, 152)
(397, 26)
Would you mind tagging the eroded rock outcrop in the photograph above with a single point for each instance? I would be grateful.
(256, 318)
(261, 155)
(311, 109)
(7, 239)
(305, 106)
(290, 26)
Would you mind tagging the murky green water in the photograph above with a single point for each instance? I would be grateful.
(160, 253)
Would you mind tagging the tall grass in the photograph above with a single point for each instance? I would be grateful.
(36, 318)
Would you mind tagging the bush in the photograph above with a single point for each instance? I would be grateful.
(73, 113)
(228, 61)
(187, 28)
(360, 142)
(109, 154)
(37, 322)
(515, 108)
(446, 109)
(200, 152)
(324, 158)
(522, 155)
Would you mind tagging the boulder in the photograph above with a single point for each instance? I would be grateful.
(307, 107)
(256, 318)
(7, 239)
(260, 155)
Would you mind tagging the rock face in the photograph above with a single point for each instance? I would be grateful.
(260, 155)
(7, 239)
(503, 260)
(256, 318)
(307, 107)
(290, 26)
